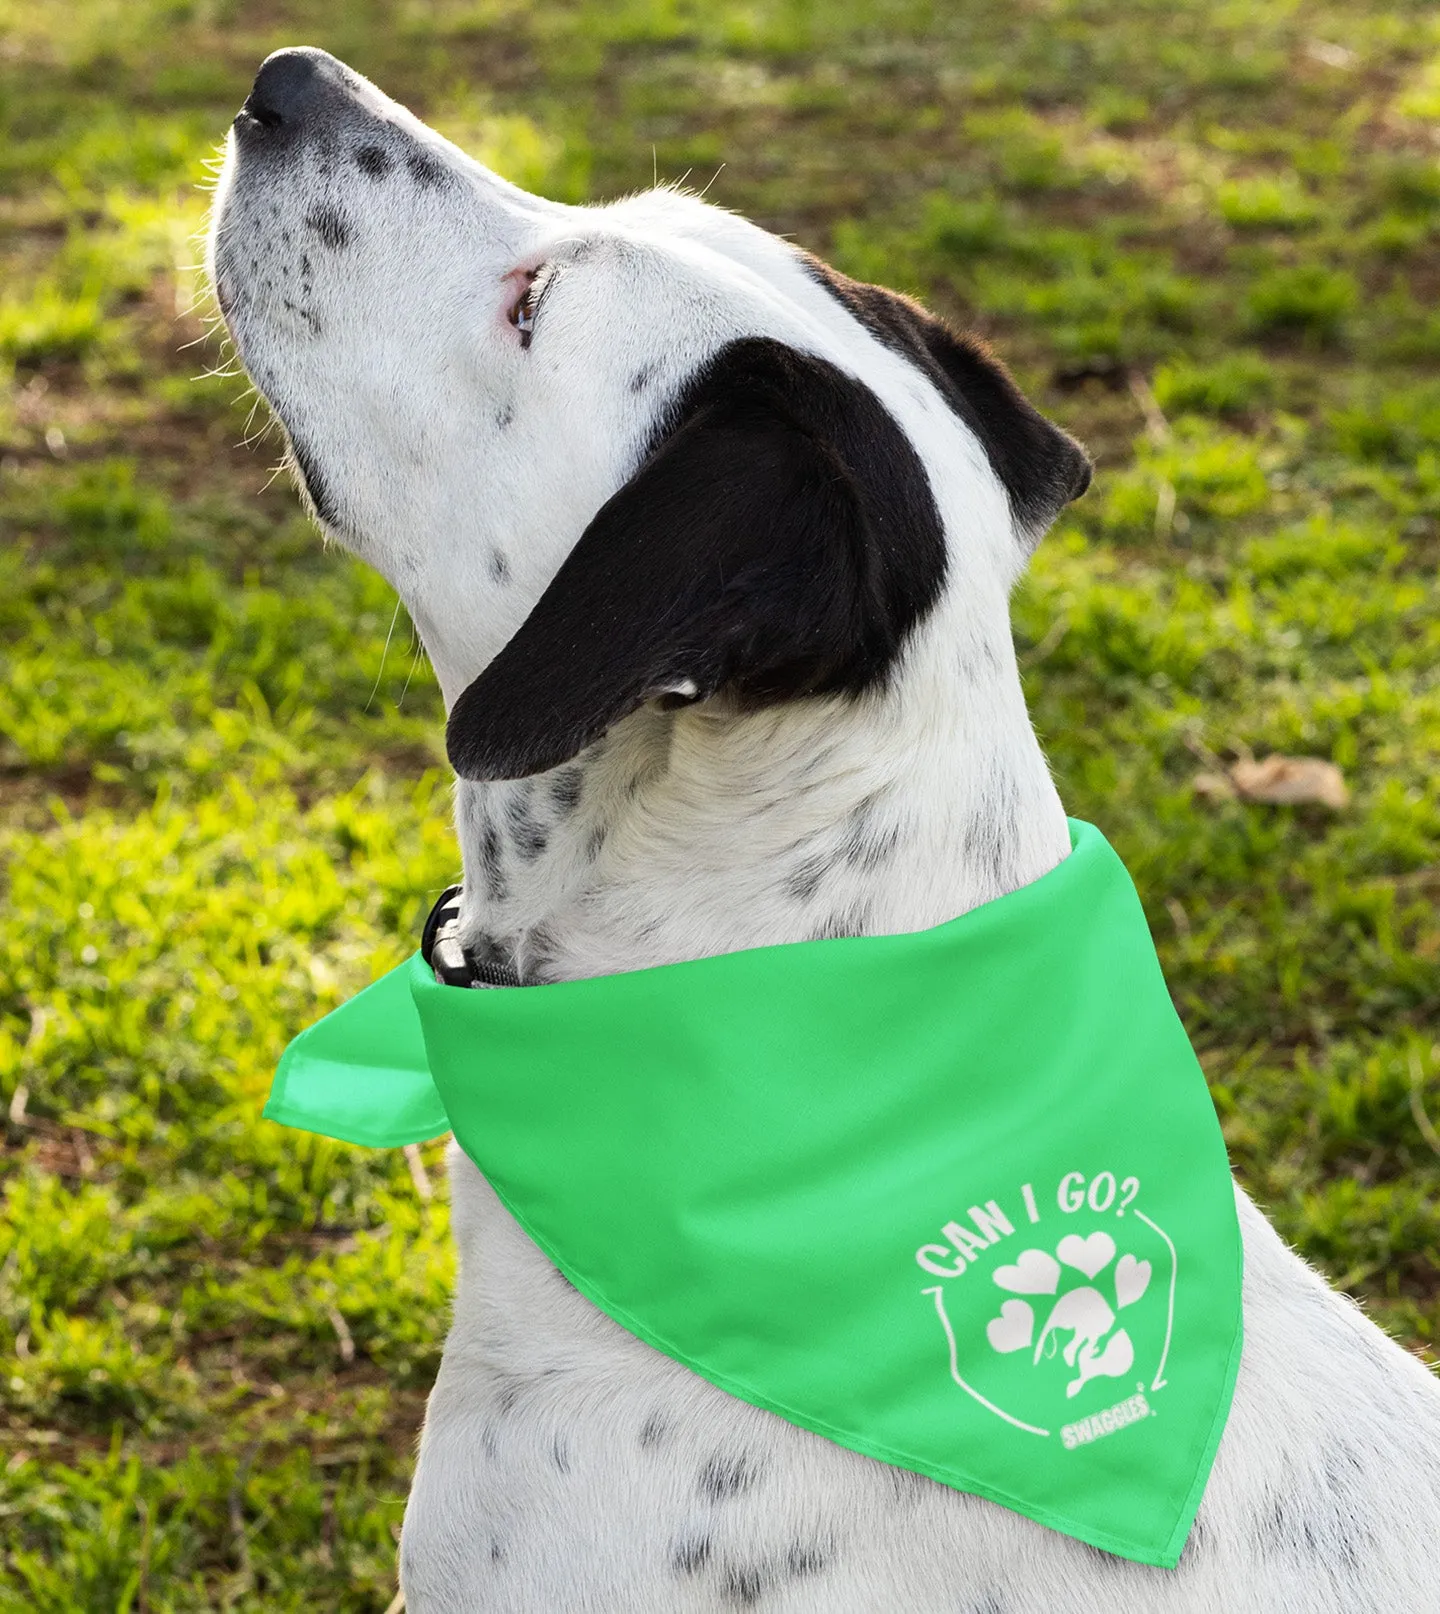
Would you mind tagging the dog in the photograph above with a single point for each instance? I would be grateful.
(711, 550)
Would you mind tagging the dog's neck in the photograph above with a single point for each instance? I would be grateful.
(705, 830)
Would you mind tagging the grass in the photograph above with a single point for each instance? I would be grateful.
(1204, 234)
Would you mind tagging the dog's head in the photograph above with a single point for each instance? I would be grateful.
(607, 455)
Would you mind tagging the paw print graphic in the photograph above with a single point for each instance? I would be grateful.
(1095, 1348)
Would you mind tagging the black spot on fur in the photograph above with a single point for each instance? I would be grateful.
(499, 567)
(425, 169)
(852, 921)
(311, 321)
(723, 1478)
(529, 837)
(330, 224)
(1308, 1528)
(804, 881)
(596, 844)
(507, 1396)
(373, 161)
(560, 1454)
(1040, 466)
(497, 1552)
(491, 866)
(780, 540)
(655, 1429)
(503, 418)
(690, 1554)
(990, 1603)
(806, 1558)
(642, 378)
(531, 841)
(868, 846)
(989, 842)
(746, 1584)
(566, 789)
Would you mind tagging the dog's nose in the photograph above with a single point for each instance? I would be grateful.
(286, 89)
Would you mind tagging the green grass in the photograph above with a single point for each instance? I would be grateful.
(1204, 234)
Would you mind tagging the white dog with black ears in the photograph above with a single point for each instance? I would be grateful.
(711, 550)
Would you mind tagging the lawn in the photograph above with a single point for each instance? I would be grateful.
(1206, 235)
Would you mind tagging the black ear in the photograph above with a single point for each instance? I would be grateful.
(780, 539)
(1041, 467)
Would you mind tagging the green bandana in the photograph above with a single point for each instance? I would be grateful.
(956, 1199)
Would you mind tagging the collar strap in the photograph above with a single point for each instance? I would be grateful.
(445, 953)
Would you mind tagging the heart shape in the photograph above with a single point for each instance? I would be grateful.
(1013, 1329)
(1090, 1255)
(1034, 1273)
(1132, 1279)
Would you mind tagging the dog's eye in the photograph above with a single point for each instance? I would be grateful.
(522, 316)
(527, 305)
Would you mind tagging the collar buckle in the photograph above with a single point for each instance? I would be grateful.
(440, 945)
(443, 951)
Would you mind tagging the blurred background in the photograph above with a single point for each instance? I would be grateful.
(1205, 234)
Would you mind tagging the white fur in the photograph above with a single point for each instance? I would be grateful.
(564, 1465)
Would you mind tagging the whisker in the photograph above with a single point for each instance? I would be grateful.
(394, 617)
(414, 663)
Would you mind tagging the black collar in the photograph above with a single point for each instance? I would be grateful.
(443, 951)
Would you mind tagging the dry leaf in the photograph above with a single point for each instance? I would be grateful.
(1289, 781)
(1279, 781)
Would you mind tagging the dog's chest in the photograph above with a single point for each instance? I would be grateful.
(572, 1448)
(566, 1465)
